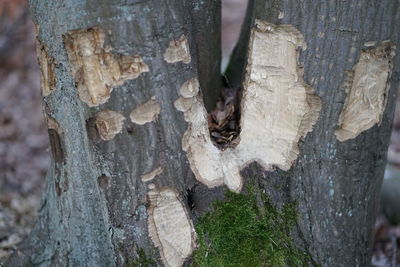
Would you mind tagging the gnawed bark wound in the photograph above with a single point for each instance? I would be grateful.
(277, 109)
(95, 69)
(170, 227)
(190, 88)
(53, 124)
(108, 124)
(55, 138)
(367, 88)
(178, 50)
(146, 112)
(151, 175)
(47, 65)
(370, 43)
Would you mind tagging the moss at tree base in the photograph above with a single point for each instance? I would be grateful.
(248, 230)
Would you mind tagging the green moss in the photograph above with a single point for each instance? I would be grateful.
(247, 230)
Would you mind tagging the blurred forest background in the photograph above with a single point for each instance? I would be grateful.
(24, 148)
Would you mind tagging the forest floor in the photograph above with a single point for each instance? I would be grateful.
(24, 152)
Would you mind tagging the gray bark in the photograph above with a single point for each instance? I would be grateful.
(336, 184)
(206, 18)
(94, 208)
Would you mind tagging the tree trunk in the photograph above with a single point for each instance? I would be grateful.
(94, 209)
(119, 85)
(336, 184)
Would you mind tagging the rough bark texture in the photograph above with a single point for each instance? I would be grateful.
(96, 207)
(336, 184)
(206, 18)
(94, 212)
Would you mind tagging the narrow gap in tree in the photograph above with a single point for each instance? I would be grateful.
(224, 119)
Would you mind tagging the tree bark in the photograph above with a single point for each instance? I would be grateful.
(336, 184)
(94, 207)
(97, 203)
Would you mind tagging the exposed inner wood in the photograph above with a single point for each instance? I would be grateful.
(170, 227)
(178, 50)
(277, 109)
(146, 112)
(47, 65)
(151, 175)
(108, 124)
(95, 69)
(367, 89)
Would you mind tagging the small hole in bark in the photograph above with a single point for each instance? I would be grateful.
(129, 130)
(104, 181)
(190, 198)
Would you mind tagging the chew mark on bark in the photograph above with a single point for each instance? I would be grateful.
(177, 51)
(53, 124)
(108, 124)
(170, 227)
(190, 88)
(151, 175)
(146, 112)
(95, 69)
(367, 87)
(370, 43)
(56, 144)
(277, 109)
(47, 65)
